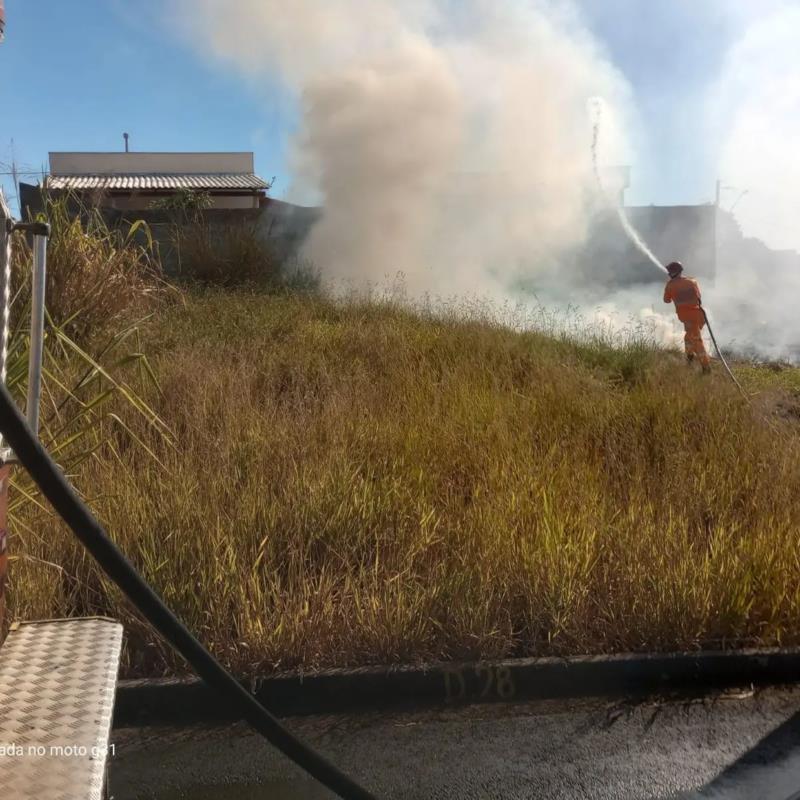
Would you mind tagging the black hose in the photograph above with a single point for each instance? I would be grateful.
(74, 512)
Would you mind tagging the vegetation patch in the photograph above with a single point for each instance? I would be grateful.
(359, 482)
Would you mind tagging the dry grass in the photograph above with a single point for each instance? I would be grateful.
(227, 255)
(97, 278)
(356, 483)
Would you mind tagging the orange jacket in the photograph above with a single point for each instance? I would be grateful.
(684, 292)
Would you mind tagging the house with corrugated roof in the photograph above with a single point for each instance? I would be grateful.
(133, 181)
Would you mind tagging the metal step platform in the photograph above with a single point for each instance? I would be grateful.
(57, 684)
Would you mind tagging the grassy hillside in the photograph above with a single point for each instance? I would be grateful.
(356, 484)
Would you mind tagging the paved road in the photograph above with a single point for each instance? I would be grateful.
(738, 745)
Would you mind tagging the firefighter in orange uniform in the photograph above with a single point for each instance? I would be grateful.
(685, 293)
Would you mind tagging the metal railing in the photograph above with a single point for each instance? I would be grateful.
(40, 232)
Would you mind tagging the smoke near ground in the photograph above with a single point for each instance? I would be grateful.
(451, 144)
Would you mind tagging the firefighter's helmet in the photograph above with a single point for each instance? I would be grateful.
(674, 268)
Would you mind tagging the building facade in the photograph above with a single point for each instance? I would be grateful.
(133, 181)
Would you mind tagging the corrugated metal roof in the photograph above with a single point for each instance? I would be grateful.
(161, 181)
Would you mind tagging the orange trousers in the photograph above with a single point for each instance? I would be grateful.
(693, 322)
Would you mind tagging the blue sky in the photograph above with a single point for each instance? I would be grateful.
(75, 75)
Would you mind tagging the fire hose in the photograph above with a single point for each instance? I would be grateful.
(636, 239)
(721, 357)
(55, 487)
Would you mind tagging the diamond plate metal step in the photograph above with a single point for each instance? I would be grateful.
(57, 683)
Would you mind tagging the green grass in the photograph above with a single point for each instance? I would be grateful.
(357, 483)
(763, 377)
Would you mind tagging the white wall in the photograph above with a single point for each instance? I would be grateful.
(153, 163)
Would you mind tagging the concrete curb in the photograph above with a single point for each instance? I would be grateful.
(174, 701)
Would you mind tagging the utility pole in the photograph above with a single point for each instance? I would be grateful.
(719, 189)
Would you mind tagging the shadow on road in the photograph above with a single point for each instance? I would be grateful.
(770, 770)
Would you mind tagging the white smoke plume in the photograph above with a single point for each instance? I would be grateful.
(451, 143)
(758, 99)
(448, 142)
(754, 121)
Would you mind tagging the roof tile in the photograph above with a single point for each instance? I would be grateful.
(161, 181)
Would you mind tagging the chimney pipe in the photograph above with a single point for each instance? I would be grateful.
(125, 136)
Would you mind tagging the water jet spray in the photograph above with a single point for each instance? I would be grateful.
(597, 106)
